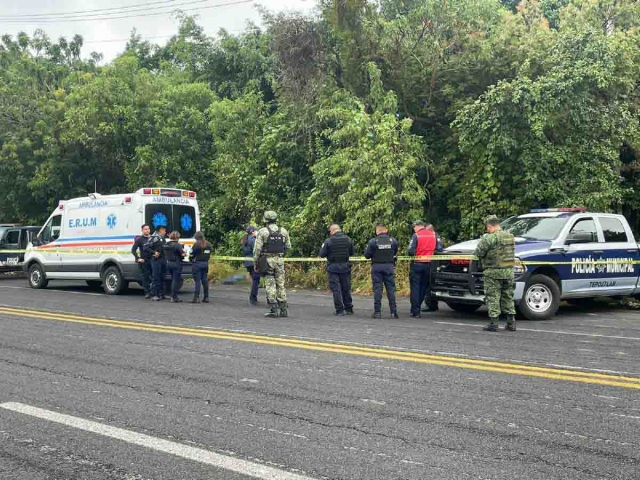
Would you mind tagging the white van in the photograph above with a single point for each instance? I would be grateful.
(91, 238)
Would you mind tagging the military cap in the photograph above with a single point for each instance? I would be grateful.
(270, 216)
(491, 219)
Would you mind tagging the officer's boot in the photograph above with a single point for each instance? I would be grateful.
(195, 299)
(511, 323)
(284, 309)
(273, 311)
(493, 325)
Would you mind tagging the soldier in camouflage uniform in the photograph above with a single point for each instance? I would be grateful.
(272, 242)
(496, 253)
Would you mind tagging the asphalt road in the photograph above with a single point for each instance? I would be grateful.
(163, 391)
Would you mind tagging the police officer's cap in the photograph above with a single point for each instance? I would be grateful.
(491, 220)
(270, 216)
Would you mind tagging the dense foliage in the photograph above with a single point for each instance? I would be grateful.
(371, 110)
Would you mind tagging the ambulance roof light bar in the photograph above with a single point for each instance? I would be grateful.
(168, 192)
(563, 210)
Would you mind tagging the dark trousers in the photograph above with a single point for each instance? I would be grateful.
(255, 283)
(200, 276)
(175, 271)
(146, 273)
(159, 268)
(384, 274)
(420, 282)
(340, 285)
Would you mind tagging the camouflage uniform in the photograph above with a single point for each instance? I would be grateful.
(274, 278)
(496, 252)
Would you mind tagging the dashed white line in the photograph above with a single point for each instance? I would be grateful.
(558, 332)
(200, 455)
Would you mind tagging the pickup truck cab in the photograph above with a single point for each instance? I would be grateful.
(13, 238)
(561, 254)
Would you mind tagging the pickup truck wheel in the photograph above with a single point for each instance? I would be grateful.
(463, 307)
(112, 281)
(541, 298)
(37, 277)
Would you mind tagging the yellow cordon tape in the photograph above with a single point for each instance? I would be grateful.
(223, 258)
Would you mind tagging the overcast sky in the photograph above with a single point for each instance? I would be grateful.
(151, 18)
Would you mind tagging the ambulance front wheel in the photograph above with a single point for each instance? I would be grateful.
(37, 277)
(112, 281)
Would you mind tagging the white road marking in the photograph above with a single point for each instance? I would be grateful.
(57, 291)
(225, 462)
(559, 332)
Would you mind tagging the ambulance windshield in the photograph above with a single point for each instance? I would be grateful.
(535, 228)
(175, 217)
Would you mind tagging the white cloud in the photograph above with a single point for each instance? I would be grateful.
(109, 36)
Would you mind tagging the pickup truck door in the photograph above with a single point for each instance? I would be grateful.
(11, 241)
(583, 277)
(620, 273)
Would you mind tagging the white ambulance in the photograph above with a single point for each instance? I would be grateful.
(91, 238)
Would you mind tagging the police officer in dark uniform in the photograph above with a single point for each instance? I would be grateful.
(382, 250)
(143, 259)
(423, 244)
(174, 253)
(248, 242)
(337, 249)
(154, 249)
(200, 256)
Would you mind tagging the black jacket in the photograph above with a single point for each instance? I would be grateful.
(154, 244)
(138, 250)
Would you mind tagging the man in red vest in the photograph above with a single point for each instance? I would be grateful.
(423, 244)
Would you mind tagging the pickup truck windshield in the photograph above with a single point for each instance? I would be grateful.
(536, 228)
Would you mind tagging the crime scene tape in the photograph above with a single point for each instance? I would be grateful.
(223, 258)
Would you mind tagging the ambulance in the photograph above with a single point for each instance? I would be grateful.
(90, 239)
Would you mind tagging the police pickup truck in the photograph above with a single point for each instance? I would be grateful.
(14, 238)
(561, 254)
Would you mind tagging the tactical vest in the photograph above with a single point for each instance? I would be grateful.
(426, 244)
(205, 253)
(339, 249)
(503, 255)
(275, 243)
(384, 252)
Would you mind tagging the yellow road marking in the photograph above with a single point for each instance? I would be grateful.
(371, 352)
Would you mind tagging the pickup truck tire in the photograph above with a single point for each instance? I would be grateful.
(37, 277)
(463, 307)
(541, 298)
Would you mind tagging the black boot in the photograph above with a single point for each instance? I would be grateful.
(284, 309)
(273, 311)
(376, 315)
(195, 300)
(493, 325)
(348, 311)
(511, 323)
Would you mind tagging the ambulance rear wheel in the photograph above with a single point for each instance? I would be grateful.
(112, 281)
(37, 277)
(541, 298)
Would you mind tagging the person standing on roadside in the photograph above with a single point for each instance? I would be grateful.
(272, 242)
(248, 242)
(200, 256)
(337, 249)
(154, 248)
(422, 245)
(496, 254)
(430, 301)
(174, 253)
(383, 250)
(143, 259)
